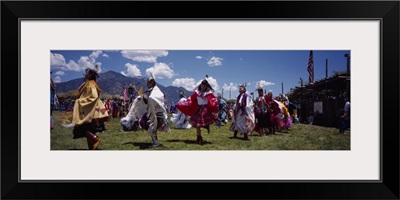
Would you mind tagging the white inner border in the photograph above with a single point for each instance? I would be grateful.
(38, 162)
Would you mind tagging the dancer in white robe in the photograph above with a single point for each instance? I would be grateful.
(243, 119)
(156, 117)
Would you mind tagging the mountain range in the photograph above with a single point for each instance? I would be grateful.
(112, 83)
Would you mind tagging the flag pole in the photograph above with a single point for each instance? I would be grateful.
(310, 68)
(326, 68)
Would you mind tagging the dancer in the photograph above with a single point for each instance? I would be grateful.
(261, 112)
(156, 116)
(202, 107)
(243, 114)
(89, 112)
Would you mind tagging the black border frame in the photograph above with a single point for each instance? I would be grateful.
(386, 11)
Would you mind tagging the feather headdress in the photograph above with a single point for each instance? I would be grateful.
(151, 76)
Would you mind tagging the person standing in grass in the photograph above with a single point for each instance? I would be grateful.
(261, 112)
(202, 107)
(243, 114)
(342, 121)
(347, 112)
(156, 116)
(222, 116)
(89, 112)
(115, 108)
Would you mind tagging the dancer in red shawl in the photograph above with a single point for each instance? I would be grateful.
(202, 107)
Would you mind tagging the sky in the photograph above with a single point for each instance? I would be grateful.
(226, 69)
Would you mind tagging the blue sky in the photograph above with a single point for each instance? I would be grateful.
(226, 68)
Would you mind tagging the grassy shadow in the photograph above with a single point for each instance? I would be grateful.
(189, 141)
(75, 149)
(141, 145)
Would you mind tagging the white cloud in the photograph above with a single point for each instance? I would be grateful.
(161, 70)
(199, 57)
(60, 73)
(94, 55)
(187, 83)
(85, 62)
(57, 60)
(215, 61)
(105, 55)
(230, 87)
(264, 83)
(57, 79)
(131, 71)
(144, 56)
(72, 66)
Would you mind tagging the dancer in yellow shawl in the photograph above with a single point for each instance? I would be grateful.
(89, 112)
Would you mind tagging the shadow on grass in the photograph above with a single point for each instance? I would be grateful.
(190, 141)
(141, 145)
(75, 149)
(240, 138)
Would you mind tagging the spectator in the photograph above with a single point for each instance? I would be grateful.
(310, 118)
(222, 116)
(342, 122)
(347, 112)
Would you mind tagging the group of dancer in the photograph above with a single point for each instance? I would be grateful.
(271, 113)
(200, 110)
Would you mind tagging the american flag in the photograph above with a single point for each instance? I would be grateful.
(310, 68)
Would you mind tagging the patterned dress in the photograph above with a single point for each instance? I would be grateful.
(243, 115)
(200, 106)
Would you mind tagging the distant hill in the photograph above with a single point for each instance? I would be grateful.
(112, 83)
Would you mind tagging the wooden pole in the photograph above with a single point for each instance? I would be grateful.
(326, 68)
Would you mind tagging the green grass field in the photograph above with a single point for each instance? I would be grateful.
(298, 137)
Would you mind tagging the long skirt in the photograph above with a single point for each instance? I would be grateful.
(242, 124)
(202, 117)
(263, 121)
